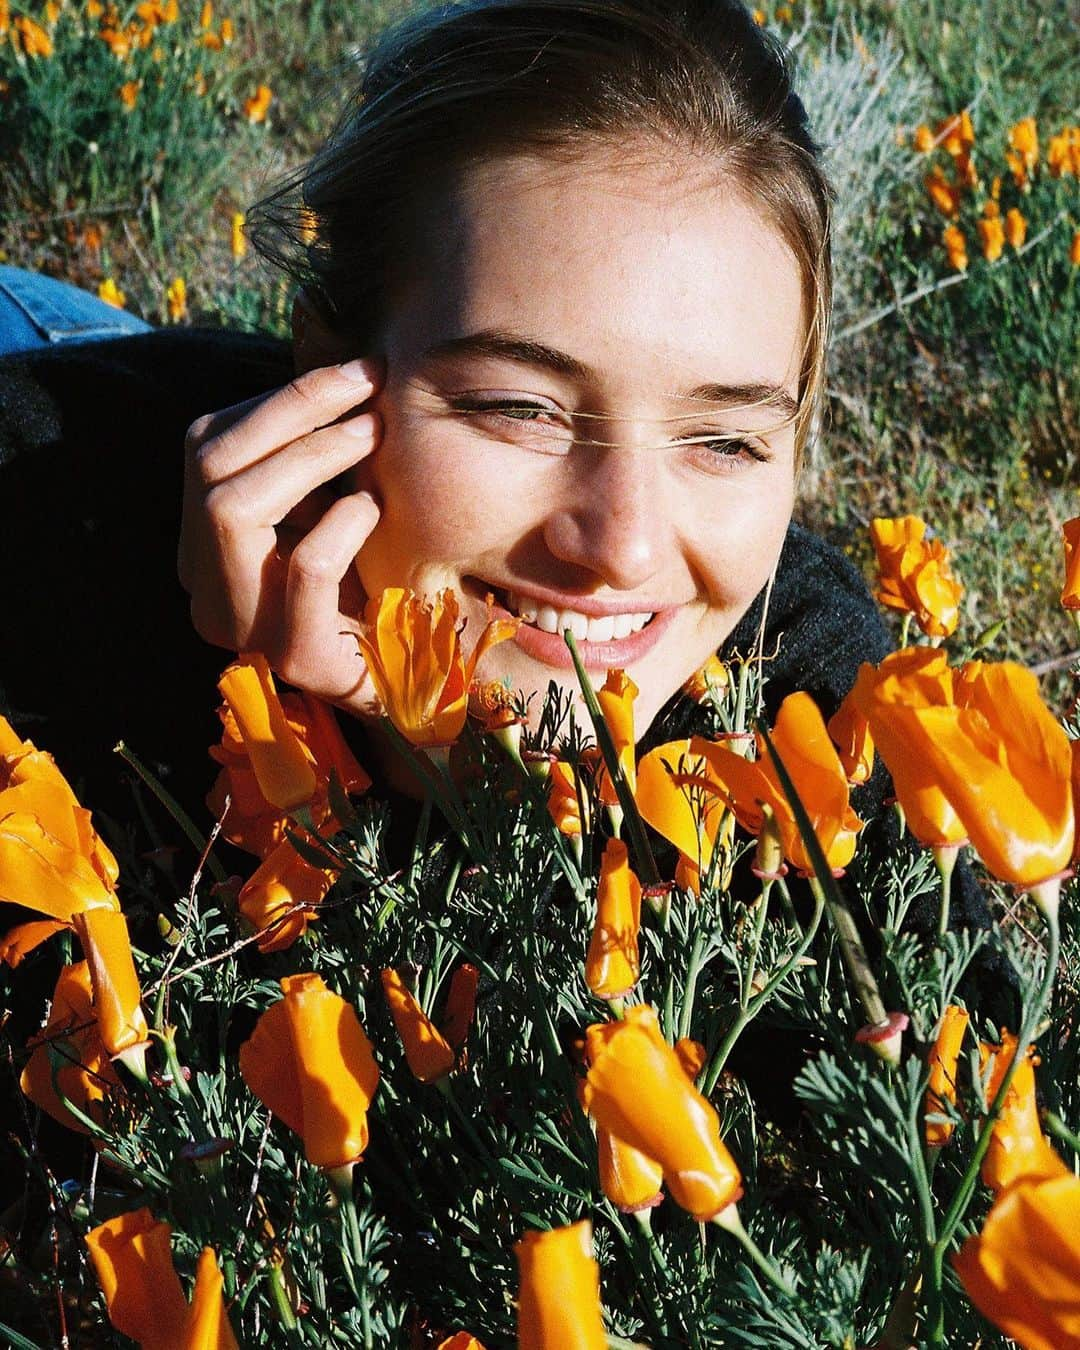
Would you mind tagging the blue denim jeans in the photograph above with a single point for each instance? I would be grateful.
(36, 311)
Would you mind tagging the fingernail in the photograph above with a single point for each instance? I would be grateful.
(359, 426)
(357, 371)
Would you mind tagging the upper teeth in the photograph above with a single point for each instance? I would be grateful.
(583, 627)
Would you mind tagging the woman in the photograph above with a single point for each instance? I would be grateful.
(581, 252)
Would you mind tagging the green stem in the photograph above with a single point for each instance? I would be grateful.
(945, 861)
(755, 1005)
(172, 806)
(730, 1221)
(282, 1306)
(649, 875)
(746, 978)
(693, 968)
(1057, 1127)
(851, 947)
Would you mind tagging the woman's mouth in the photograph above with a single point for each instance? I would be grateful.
(604, 641)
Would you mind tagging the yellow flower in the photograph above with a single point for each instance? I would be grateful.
(206, 17)
(256, 107)
(612, 966)
(1070, 535)
(237, 238)
(282, 764)
(1023, 139)
(111, 293)
(427, 1052)
(991, 236)
(413, 653)
(310, 1062)
(1022, 1271)
(916, 573)
(1015, 228)
(944, 194)
(712, 679)
(638, 1090)
(226, 32)
(103, 934)
(176, 299)
(31, 37)
(944, 1056)
(956, 248)
(616, 701)
(559, 1291)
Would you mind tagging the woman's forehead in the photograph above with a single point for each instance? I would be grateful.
(627, 265)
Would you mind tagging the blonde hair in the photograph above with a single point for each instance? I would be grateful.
(467, 82)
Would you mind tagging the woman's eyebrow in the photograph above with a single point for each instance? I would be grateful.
(528, 351)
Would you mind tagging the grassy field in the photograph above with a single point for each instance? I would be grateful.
(130, 138)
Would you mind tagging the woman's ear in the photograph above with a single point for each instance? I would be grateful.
(314, 342)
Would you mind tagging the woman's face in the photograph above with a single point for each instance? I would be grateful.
(566, 415)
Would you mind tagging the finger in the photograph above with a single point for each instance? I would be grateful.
(321, 653)
(314, 399)
(266, 493)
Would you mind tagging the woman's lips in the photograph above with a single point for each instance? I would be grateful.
(551, 650)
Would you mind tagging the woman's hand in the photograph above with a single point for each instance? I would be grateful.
(266, 548)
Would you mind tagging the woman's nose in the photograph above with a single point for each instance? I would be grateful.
(613, 522)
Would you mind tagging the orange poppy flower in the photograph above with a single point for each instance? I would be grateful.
(916, 575)
(811, 760)
(1070, 591)
(956, 133)
(413, 653)
(944, 1055)
(237, 237)
(310, 1062)
(630, 1179)
(913, 677)
(1023, 139)
(1018, 1147)
(1022, 1271)
(711, 679)
(284, 880)
(559, 1290)
(87, 1073)
(460, 1340)
(1003, 761)
(51, 857)
(563, 804)
(429, 1055)
(258, 105)
(254, 822)
(924, 139)
(103, 934)
(850, 732)
(955, 248)
(944, 194)
(677, 796)
(460, 1010)
(638, 1090)
(992, 237)
(616, 700)
(281, 766)
(1015, 228)
(611, 965)
(132, 1256)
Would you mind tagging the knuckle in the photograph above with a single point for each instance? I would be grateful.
(310, 564)
(227, 507)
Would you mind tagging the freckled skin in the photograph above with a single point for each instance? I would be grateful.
(659, 277)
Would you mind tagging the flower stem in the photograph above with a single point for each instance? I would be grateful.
(755, 1005)
(730, 1220)
(172, 806)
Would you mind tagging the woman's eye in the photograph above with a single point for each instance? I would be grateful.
(725, 452)
(547, 429)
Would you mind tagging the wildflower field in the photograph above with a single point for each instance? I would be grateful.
(330, 1066)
